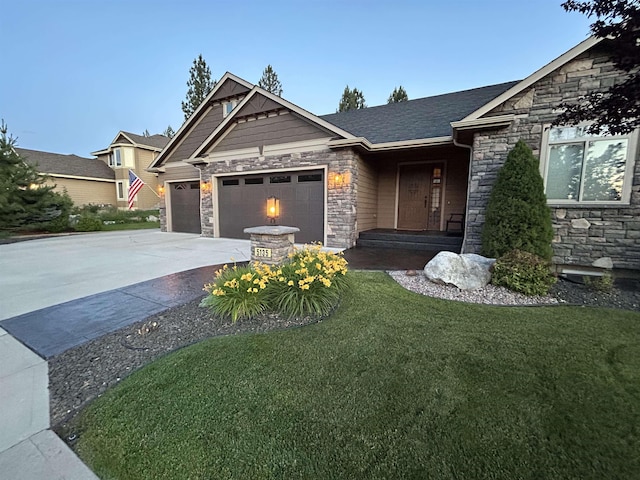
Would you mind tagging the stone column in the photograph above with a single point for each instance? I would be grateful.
(271, 244)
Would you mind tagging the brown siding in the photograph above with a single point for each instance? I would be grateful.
(269, 131)
(387, 195)
(456, 172)
(258, 104)
(179, 173)
(366, 196)
(197, 135)
(230, 89)
(84, 192)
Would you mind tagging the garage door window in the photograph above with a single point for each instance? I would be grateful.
(314, 177)
(254, 181)
(229, 183)
(280, 179)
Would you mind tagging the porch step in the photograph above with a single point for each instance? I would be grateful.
(410, 241)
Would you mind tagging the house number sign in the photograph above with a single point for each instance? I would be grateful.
(262, 252)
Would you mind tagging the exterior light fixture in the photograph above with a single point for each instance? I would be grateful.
(338, 179)
(205, 186)
(273, 208)
(161, 191)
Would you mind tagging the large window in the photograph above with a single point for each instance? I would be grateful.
(121, 189)
(583, 168)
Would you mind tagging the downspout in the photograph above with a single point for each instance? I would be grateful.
(466, 207)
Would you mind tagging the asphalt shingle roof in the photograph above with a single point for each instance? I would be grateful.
(56, 163)
(157, 140)
(415, 119)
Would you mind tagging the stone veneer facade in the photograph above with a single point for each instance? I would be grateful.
(600, 235)
(341, 226)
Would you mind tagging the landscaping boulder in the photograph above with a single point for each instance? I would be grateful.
(467, 271)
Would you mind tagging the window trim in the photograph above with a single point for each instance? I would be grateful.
(233, 103)
(125, 189)
(112, 157)
(632, 153)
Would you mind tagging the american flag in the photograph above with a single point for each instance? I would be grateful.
(135, 184)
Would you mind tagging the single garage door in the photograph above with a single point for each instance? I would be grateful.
(242, 203)
(185, 207)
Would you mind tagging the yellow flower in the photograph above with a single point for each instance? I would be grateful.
(255, 290)
(290, 283)
(304, 287)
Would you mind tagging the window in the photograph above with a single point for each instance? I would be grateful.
(312, 177)
(585, 168)
(254, 181)
(228, 183)
(280, 179)
(227, 107)
(115, 158)
(121, 189)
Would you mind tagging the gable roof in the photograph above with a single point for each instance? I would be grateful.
(531, 79)
(154, 142)
(66, 165)
(421, 118)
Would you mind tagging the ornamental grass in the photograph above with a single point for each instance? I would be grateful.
(310, 283)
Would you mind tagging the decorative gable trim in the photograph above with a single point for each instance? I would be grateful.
(193, 120)
(533, 78)
(275, 101)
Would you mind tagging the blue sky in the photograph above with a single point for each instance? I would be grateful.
(75, 72)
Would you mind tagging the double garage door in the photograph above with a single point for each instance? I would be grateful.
(242, 203)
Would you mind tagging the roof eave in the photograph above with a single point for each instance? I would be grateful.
(365, 144)
(496, 121)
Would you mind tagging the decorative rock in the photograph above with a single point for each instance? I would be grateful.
(581, 223)
(467, 271)
(603, 262)
(152, 218)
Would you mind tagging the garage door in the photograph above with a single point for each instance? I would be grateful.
(242, 203)
(185, 207)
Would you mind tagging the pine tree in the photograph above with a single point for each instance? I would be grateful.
(398, 95)
(200, 85)
(169, 132)
(270, 82)
(517, 215)
(25, 199)
(351, 100)
(146, 133)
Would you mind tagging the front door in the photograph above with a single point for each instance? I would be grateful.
(420, 197)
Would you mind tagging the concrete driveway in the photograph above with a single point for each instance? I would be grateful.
(40, 273)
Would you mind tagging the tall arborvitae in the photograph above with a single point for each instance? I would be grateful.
(517, 215)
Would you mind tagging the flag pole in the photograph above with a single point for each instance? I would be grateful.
(153, 190)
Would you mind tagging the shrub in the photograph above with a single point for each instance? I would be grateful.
(238, 292)
(523, 272)
(603, 283)
(88, 223)
(517, 216)
(309, 283)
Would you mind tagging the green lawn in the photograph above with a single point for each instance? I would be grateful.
(394, 385)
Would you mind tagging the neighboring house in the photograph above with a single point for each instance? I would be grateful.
(406, 166)
(129, 151)
(86, 180)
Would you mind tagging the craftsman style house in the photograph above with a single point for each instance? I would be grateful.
(129, 151)
(86, 180)
(425, 165)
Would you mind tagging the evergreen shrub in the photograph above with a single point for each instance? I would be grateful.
(88, 223)
(517, 215)
(523, 272)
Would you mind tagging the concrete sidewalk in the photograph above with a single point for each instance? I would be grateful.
(87, 274)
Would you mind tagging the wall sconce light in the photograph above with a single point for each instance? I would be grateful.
(161, 191)
(205, 186)
(338, 179)
(273, 208)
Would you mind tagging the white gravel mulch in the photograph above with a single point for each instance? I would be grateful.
(417, 282)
